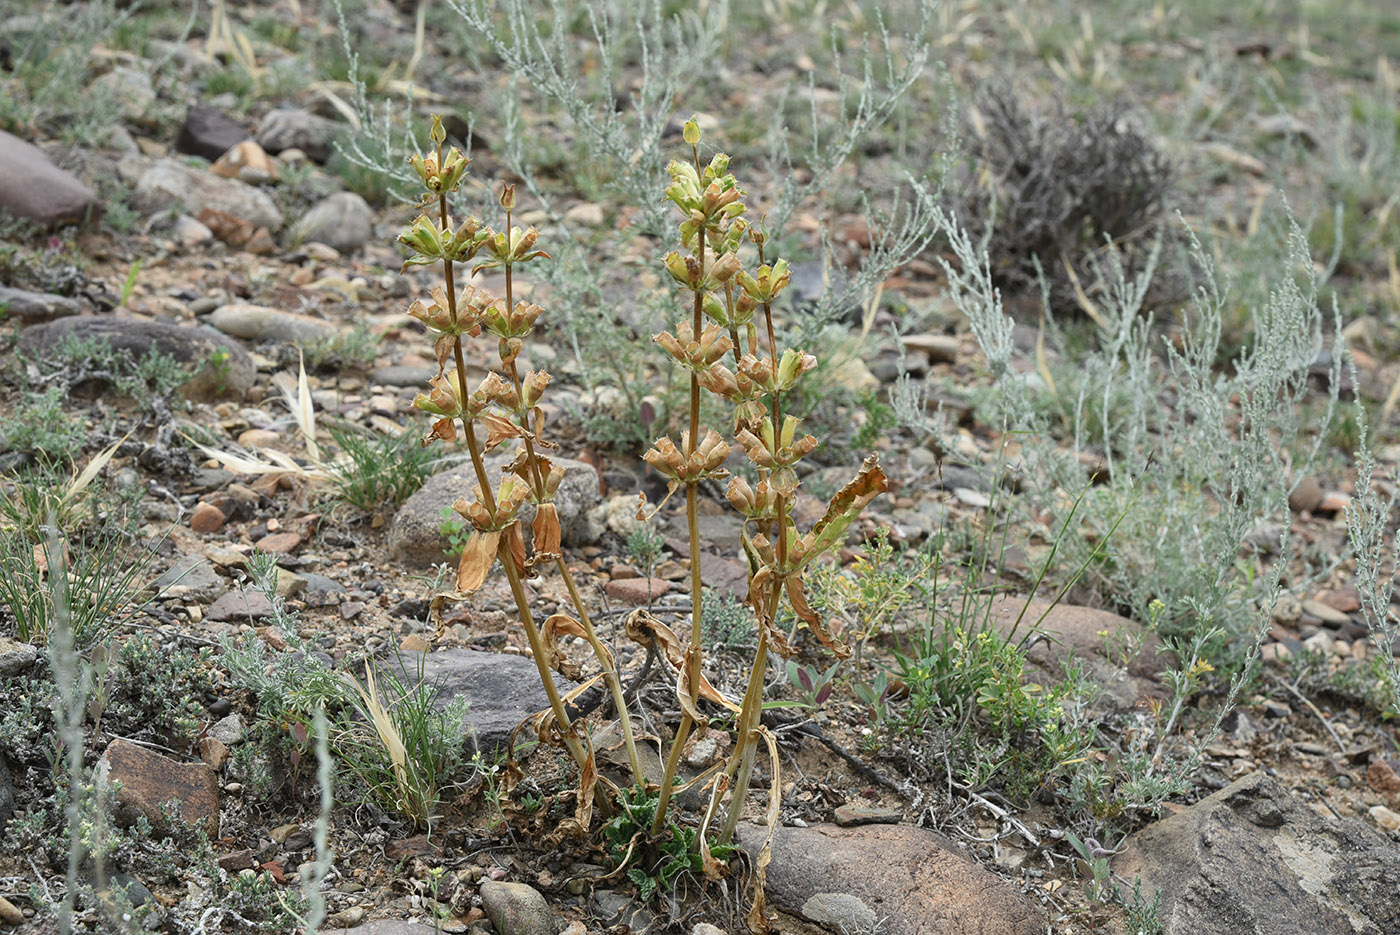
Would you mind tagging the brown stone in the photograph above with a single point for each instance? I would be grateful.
(213, 752)
(1333, 502)
(1306, 495)
(149, 780)
(911, 881)
(1346, 599)
(1098, 639)
(636, 591)
(413, 643)
(207, 519)
(416, 846)
(1383, 778)
(724, 575)
(10, 913)
(238, 860)
(283, 543)
(32, 187)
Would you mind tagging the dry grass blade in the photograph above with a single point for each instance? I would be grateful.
(384, 727)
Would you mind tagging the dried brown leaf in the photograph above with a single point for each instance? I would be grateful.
(478, 555)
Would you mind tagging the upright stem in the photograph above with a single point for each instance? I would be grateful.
(604, 659)
(488, 500)
(692, 516)
(753, 698)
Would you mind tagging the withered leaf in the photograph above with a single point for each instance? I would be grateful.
(545, 531)
(848, 503)
(798, 598)
(478, 555)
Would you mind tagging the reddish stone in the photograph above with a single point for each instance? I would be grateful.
(213, 752)
(207, 518)
(274, 868)
(1347, 599)
(1384, 780)
(283, 543)
(637, 591)
(149, 780)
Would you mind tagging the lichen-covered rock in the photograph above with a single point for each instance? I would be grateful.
(1253, 859)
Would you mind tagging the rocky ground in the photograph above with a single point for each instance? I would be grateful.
(1294, 814)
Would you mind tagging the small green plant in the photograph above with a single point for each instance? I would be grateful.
(879, 419)
(728, 624)
(812, 685)
(455, 530)
(43, 425)
(654, 860)
(356, 348)
(378, 471)
(1143, 918)
(92, 584)
(220, 368)
(403, 747)
(129, 285)
(644, 546)
(1098, 887)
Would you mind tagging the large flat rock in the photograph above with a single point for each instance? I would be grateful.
(1254, 859)
(903, 879)
(503, 689)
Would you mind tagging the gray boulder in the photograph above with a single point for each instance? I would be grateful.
(264, 323)
(32, 187)
(343, 220)
(502, 689)
(32, 308)
(293, 128)
(220, 367)
(415, 536)
(169, 182)
(1253, 859)
(516, 909)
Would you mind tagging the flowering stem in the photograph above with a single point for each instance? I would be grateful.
(537, 482)
(488, 500)
(692, 517)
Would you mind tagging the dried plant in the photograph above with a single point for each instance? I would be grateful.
(727, 305)
(506, 405)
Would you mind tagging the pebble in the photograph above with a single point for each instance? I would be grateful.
(347, 918)
(207, 519)
(1326, 613)
(1306, 496)
(1387, 819)
(283, 543)
(636, 591)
